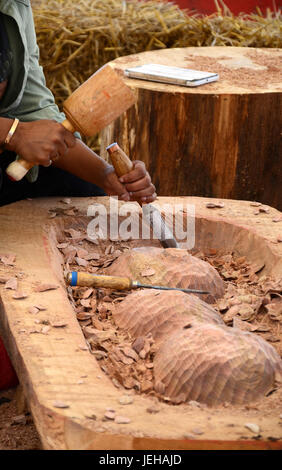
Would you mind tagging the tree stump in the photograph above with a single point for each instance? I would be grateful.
(217, 140)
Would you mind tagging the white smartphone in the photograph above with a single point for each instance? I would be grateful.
(172, 75)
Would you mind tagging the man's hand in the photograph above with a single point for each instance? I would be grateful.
(135, 185)
(41, 141)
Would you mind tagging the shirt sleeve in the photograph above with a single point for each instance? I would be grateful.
(37, 101)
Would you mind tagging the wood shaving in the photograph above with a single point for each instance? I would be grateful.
(122, 420)
(12, 283)
(60, 404)
(58, 324)
(8, 260)
(148, 272)
(215, 205)
(19, 295)
(45, 287)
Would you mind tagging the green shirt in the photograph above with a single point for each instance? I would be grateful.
(26, 96)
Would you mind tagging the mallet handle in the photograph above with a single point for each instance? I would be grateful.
(19, 168)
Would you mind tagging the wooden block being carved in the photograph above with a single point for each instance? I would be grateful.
(215, 364)
(162, 312)
(169, 267)
(218, 140)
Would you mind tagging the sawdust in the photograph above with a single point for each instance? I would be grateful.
(260, 71)
(17, 430)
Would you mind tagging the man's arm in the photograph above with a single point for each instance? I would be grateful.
(87, 165)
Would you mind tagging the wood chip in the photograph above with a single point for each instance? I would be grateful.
(197, 431)
(87, 293)
(12, 283)
(19, 295)
(255, 204)
(40, 307)
(58, 324)
(69, 212)
(92, 240)
(45, 287)
(81, 261)
(264, 209)
(82, 253)
(92, 256)
(122, 420)
(253, 427)
(129, 352)
(62, 246)
(45, 329)
(85, 303)
(243, 325)
(83, 316)
(111, 414)
(75, 234)
(60, 404)
(66, 200)
(153, 409)
(33, 310)
(126, 400)
(8, 260)
(138, 344)
(148, 272)
(214, 205)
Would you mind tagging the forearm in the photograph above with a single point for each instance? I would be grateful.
(81, 161)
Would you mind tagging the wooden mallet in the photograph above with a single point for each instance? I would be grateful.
(90, 108)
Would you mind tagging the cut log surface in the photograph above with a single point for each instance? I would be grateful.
(216, 364)
(66, 390)
(220, 139)
(170, 267)
(162, 312)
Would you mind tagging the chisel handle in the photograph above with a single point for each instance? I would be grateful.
(19, 168)
(121, 162)
(96, 280)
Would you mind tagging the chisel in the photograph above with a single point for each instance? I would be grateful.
(122, 165)
(81, 279)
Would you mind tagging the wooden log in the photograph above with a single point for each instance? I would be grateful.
(217, 140)
(64, 386)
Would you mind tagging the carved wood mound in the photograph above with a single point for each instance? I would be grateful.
(215, 364)
(169, 267)
(162, 312)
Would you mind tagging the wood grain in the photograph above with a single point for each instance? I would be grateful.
(218, 140)
(51, 366)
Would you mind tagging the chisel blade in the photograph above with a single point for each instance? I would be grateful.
(187, 291)
(122, 165)
(160, 229)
